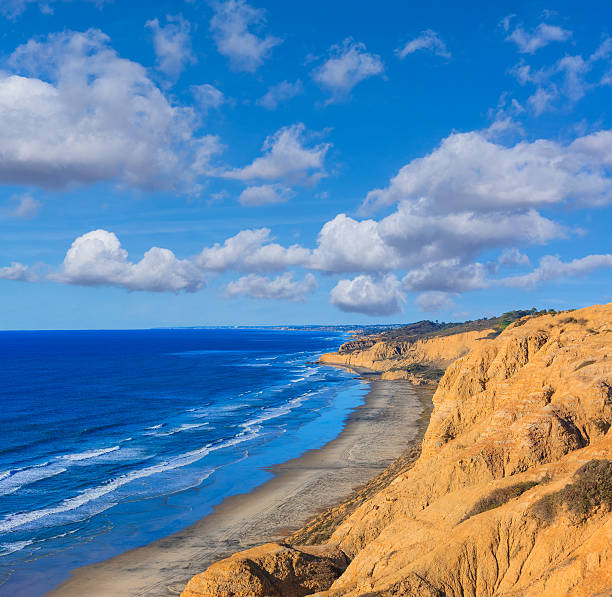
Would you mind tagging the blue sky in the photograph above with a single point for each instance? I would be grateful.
(233, 162)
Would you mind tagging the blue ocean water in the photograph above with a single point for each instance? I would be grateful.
(111, 439)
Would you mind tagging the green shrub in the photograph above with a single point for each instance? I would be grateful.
(592, 487)
(499, 497)
(585, 364)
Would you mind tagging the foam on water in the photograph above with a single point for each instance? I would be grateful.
(89, 454)
(94, 494)
(129, 421)
(181, 428)
(18, 478)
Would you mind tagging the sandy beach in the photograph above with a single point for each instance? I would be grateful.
(376, 433)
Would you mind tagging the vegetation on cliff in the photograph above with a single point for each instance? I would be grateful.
(422, 330)
(591, 489)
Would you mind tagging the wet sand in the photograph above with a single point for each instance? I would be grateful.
(375, 434)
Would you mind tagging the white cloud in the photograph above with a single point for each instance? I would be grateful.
(435, 301)
(347, 245)
(368, 295)
(469, 172)
(428, 40)
(24, 206)
(17, 272)
(349, 64)
(282, 287)
(286, 157)
(208, 97)
(251, 251)
(15, 8)
(448, 276)
(513, 257)
(542, 35)
(550, 267)
(86, 115)
(567, 80)
(281, 92)
(172, 45)
(574, 69)
(423, 239)
(97, 259)
(231, 26)
(543, 99)
(265, 194)
(418, 244)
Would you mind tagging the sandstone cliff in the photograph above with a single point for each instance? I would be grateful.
(512, 492)
(421, 362)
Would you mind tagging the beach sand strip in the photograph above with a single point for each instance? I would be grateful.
(390, 422)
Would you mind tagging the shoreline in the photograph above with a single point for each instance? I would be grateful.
(301, 489)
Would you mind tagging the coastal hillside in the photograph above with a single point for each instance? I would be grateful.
(420, 352)
(511, 494)
(421, 362)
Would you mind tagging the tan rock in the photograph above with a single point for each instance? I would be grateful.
(270, 570)
(393, 356)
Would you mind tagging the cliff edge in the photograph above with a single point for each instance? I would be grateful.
(511, 494)
(421, 361)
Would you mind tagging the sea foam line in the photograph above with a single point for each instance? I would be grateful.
(15, 520)
(19, 477)
(14, 479)
(89, 454)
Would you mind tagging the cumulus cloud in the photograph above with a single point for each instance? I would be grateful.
(251, 251)
(405, 239)
(529, 42)
(435, 301)
(85, 115)
(172, 44)
(468, 172)
(265, 194)
(428, 40)
(447, 276)
(512, 257)
(279, 93)
(231, 28)
(17, 272)
(468, 196)
(286, 157)
(551, 267)
(283, 287)
(347, 245)
(349, 64)
(425, 238)
(24, 206)
(368, 295)
(97, 259)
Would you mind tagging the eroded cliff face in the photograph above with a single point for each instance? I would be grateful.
(497, 504)
(416, 361)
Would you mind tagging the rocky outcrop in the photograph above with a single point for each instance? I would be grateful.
(498, 503)
(270, 570)
(420, 362)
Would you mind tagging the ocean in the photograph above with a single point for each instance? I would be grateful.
(112, 439)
